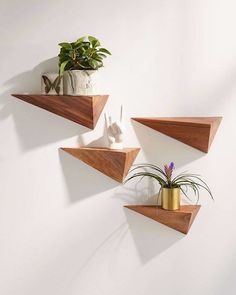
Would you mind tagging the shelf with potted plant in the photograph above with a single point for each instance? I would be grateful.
(197, 132)
(170, 213)
(84, 110)
(74, 92)
(180, 220)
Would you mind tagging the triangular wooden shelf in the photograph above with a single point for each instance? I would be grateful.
(113, 163)
(84, 110)
(197, 132)
(180, 220)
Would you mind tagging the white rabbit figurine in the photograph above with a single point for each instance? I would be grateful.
(115, 131)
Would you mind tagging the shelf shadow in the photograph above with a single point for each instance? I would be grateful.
(98, 142)
(35, 126)
(138, 192)
(160, 149)
(83, 181)
(150, 237)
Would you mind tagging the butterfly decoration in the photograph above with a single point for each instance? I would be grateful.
(56, 85)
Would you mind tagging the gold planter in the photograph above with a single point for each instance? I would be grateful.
(170, 198)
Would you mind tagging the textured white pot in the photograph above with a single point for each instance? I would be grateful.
(81, 82)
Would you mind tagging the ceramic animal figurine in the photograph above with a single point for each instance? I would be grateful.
(115, 131)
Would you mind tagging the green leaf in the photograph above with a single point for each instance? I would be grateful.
(154, 167)
(72, 54)
(102, 55)
(185, 194)
(89, 51)
(95, 44)
(63, 50)
(77, 45)
(93, 63)
(65, 45)
(80, 40)
(85, 53)
(104, 50)
(62, 66)
(147, 174)
(96, 57)
(85, 45)
(91, 38)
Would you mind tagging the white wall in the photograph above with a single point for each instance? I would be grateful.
(63, 229)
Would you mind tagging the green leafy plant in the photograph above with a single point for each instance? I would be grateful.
(164, 178)
(84, 54)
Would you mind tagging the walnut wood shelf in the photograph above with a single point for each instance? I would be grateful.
(113, 163)
(180, 220)
(84, 110)
(197, 132)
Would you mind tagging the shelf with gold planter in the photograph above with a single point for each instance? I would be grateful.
(180, 220)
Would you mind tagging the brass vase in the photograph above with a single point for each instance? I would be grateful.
(170, 198)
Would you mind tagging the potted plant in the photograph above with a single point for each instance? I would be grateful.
(79, 62)
(170, 188)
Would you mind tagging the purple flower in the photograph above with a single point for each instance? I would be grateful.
(169, 170)
(172, 166)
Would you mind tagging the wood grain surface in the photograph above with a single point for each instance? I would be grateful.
(84, 110)
(113, 163)
(180, 220)
(197, 132)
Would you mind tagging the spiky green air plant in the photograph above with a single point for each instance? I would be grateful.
(164, 178)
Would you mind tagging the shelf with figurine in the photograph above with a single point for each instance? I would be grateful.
(114, 160)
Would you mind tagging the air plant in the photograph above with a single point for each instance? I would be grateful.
(164, 177)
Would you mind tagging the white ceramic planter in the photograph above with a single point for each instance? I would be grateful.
(51, 84)
(81, 82)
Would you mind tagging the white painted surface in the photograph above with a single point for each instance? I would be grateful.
(63, 230)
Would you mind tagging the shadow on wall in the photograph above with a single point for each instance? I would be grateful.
(115, 239)
(99, 142)
(138, 191)
(160, 149)
(82, 180)
(35, 127)
(150, 237)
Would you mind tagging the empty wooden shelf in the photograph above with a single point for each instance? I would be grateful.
(197, 132)
(180, 220)
(84, 110)
(113, 163)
